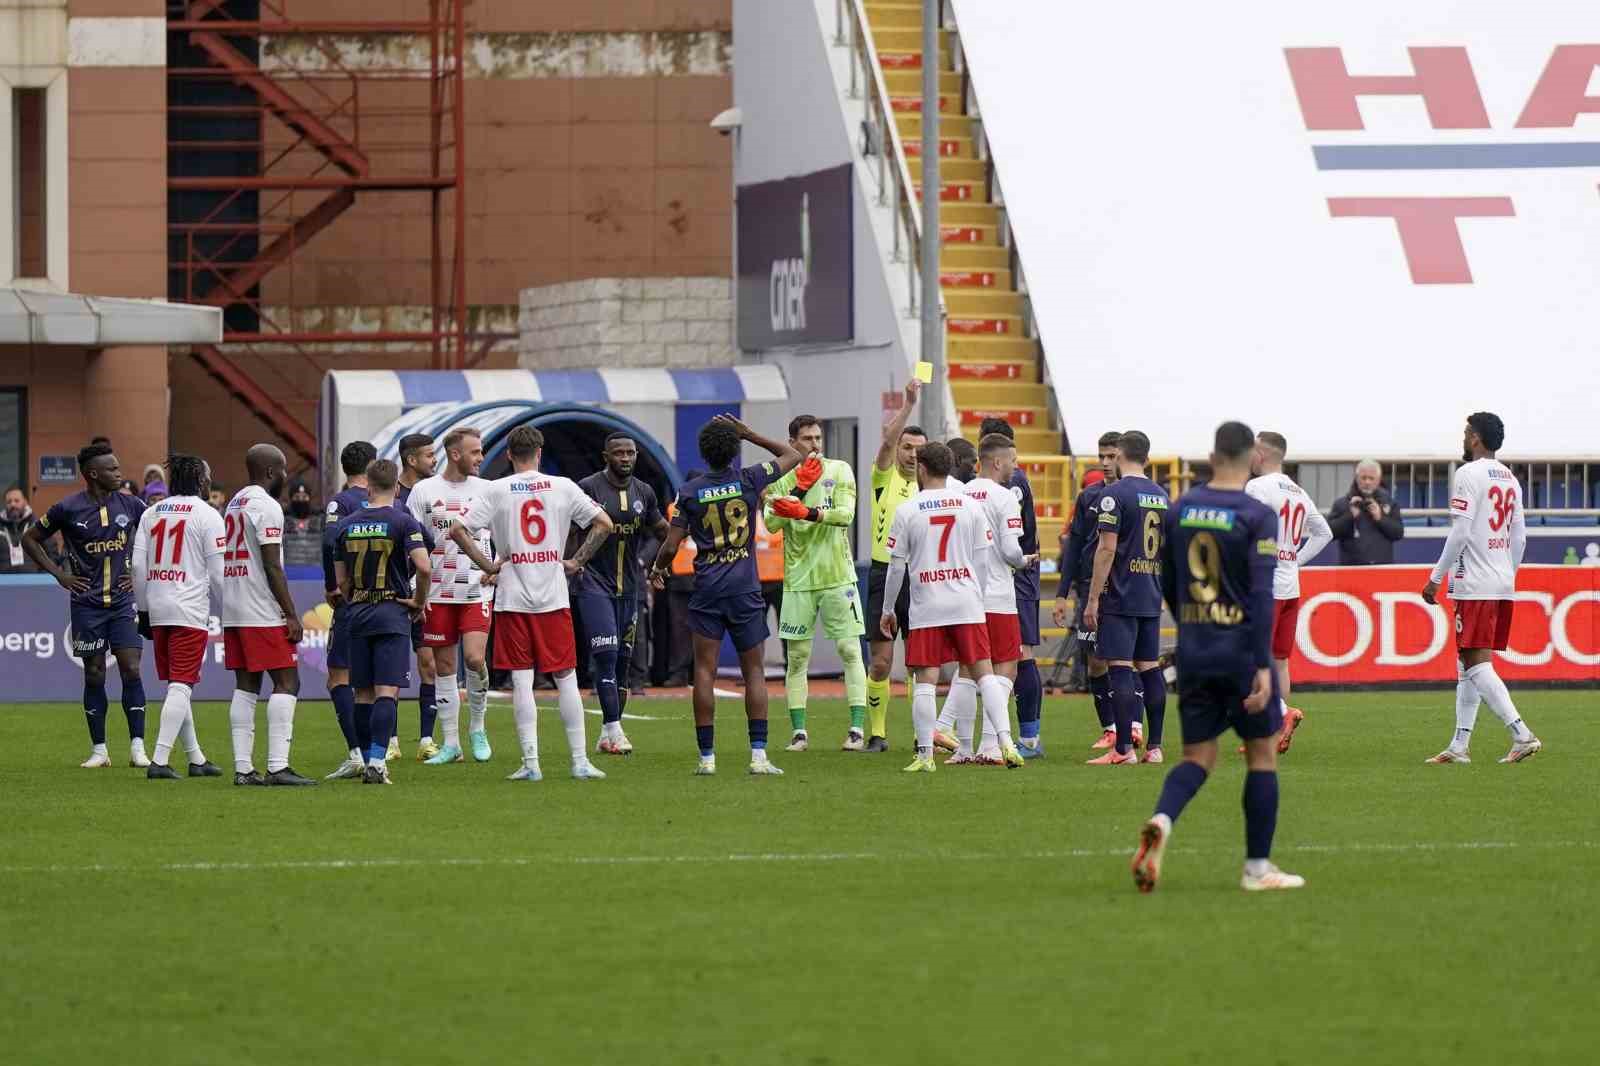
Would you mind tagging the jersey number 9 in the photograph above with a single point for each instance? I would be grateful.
(1205, 576)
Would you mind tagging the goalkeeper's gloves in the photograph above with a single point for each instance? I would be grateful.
(808, 474)
(789, 507)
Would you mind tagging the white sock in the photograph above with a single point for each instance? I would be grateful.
(136, 745)
(996, 694)
(964, 694)
(174, 712)
(924, 700)
(280, 730)
(477, 699)
(242, 720)
(947, 713)
(447, 701)
(1467, 703)
(97, 749)
(190, 739)
(526, 714)
(1257, 867)
(613, 730)
(570, 702)
(1494, 693)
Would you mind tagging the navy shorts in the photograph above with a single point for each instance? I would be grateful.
(379, 659)
(1210, 705)
(97, 630)
(743, 618)
(339, 640)
(1028, 620)
(416, 635)
(608, 622)
(1124, 637)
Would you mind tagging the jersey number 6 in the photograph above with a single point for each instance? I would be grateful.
(533, 525)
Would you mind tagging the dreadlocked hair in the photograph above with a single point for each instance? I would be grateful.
(185, 474)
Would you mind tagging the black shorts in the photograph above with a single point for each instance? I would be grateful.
(877, 576)
(1028, 621)
(1210, 705)
(97, 630)
(339, 639)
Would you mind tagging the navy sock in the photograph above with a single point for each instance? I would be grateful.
(1260, 812)
(429, 712)
(758, 734)
(133, 706)
(705, 736)
(344, 708)
(1100, 689)
(1126, 705)
(1155, 704)
(624, 664)
(1030, 698)
(1182, 783)
(383, 721)
(363, 725)
(94, 711)
(604, 664)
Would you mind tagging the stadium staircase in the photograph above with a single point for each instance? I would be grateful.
(995, 362)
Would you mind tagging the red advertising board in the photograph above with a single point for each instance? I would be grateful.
(1370, 625)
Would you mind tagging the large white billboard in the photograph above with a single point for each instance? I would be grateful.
(1354, 223)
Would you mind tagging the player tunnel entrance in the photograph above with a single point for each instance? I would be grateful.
(574, 440)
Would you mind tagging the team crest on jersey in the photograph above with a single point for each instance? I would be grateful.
(1108, 504)
(638, 507)
(827, 484)
(333, 508)
(122, 521)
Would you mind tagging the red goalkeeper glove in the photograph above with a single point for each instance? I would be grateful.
(789, 507)
(808, 474)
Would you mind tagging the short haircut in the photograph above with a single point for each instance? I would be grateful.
(1489, 429)
(719, 444)
(382, 474)
(1233, 441)
(937, 458)
(1276, 441)
(14, 487)
(1135, 446)
(1110, 439)
(962, 450)
(456, 436)
(1370, 464)
(914, 431)
(524, 443)
(799, 422)
(993, 443)
(100, 440)
(612, 438)
(995, 425)
(412, 443)
(355, 458)
(92, 451)
(185, 473)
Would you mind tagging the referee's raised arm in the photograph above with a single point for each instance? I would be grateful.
(897, 425)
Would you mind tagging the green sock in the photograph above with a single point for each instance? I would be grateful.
(797, 719)
(858, 718)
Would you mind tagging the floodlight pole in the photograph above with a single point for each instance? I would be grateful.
(933, 410)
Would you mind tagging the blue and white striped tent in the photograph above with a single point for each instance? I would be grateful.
(667, 407)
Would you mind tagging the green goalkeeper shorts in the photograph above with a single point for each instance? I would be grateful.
(840, 607)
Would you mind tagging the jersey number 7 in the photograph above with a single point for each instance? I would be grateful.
(947, 524)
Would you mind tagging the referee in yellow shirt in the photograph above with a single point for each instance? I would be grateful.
(894, 481)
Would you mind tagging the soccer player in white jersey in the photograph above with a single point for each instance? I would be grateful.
(1481, 556)
(458, 605)
(177, 561)
(1297, 516)
(938, 542)
(260, 626)
(997, 460)
(530, 515)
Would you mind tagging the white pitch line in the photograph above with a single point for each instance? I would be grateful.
(754, 857)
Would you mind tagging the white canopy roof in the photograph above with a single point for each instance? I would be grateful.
(29, 316)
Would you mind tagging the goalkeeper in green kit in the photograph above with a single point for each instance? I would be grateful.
(814, 506)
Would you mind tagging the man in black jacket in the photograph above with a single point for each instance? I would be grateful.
(15, 518)
(1367, 522)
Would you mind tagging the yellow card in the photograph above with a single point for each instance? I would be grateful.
(924, 373)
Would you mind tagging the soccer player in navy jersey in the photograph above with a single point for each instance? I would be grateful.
(608, 590)
(719, 510)
(97, 527)
(353, 460)
(418, 461)
(1077, 564)
(378, 549)
(1217, 560)
(1124, 607)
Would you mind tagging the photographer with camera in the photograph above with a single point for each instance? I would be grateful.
(1366, 523)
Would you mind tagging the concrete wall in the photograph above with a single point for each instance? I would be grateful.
(628, 322)
(793, 124)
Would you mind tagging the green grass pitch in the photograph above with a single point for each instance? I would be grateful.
(844, 913)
